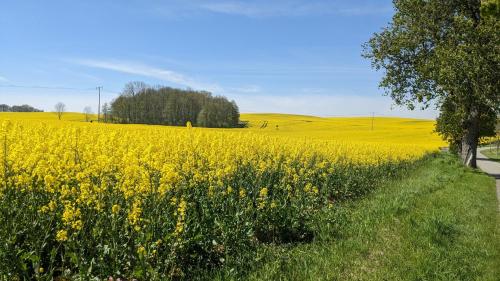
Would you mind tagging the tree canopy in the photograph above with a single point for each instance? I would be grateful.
(444, 53)
(18, 108)
(143, 104)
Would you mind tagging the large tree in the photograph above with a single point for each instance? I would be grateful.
(444, 53)
(449, 123)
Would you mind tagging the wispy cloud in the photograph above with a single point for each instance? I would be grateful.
(290, 8)
(238, 8)
(3, 79)
(148, 71)
(325, 104)
(250, 89)
(366, 10)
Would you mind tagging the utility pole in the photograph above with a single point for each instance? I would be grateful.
(373, 117)
(99, 105)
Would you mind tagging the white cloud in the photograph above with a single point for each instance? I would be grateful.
(327, 105)
(252, 98)
(3, 79)
(363, 11)
(148, 71)
(289, 8)
(318, 104)
(235, 8)
(249, 89)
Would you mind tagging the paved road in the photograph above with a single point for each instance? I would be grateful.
(491, 167)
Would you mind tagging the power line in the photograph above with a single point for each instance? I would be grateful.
(55, 88)
(40, 87)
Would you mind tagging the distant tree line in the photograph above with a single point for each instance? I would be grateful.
(140, 103)
(18, 108)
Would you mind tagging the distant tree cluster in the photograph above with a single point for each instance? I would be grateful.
(18, 108)
(143, 104)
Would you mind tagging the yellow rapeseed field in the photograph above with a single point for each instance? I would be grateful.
(386, 130)
(151, 202)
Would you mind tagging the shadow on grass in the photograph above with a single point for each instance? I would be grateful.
(489, 159)
(496, 176)
(490, 156)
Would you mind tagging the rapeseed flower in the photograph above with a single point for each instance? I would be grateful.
(62, 235)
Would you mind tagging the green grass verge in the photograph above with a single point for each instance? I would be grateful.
(492, 154)
(439, 222)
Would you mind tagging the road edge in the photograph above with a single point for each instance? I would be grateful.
(491, 168)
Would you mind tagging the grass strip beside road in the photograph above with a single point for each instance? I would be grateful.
(439, 222)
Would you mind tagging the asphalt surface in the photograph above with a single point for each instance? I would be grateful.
(490, 167)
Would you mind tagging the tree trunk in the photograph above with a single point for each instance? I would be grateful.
(470, 140)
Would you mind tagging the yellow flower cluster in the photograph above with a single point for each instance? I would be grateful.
(62, 235)
(153, 183)
(78, 162)
(181, 216)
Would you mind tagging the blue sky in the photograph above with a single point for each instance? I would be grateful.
(289, 56)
